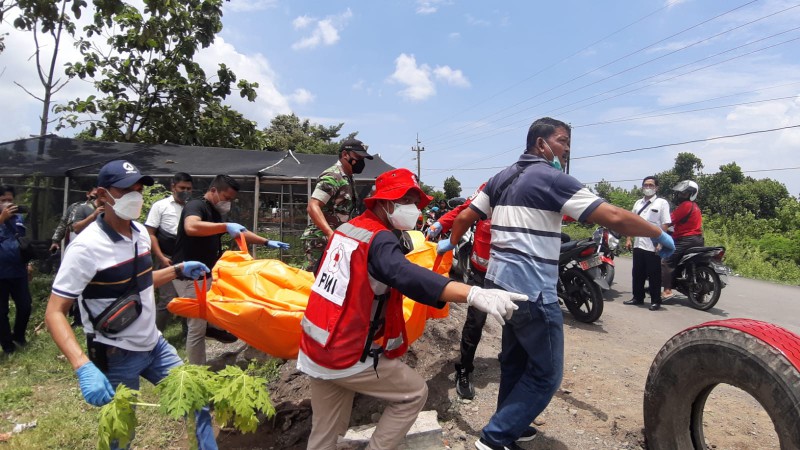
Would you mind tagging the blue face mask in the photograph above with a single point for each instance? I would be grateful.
(555, 162)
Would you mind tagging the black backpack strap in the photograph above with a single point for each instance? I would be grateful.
(131, 285)
(374, 325)
(646, 204)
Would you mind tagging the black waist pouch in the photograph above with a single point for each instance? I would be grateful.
(166, 241)
(118, 315)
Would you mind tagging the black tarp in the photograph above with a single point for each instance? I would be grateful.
(53, 156)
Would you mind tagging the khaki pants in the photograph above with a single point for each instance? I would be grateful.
(332, 403)
(196, 336)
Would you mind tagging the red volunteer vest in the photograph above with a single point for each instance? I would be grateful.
(482, 243)
(341, 306)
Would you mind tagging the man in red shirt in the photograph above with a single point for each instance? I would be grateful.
(687, 221)
(478, 260)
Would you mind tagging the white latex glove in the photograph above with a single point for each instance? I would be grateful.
(495, 302)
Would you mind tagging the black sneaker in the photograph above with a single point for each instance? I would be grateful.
(464, 387)
(481, 444)
(528, 435)
(220, 335)
(633, 301)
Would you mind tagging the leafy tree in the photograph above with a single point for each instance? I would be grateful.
(150, 88)
(616, 196)
(437, 195)
(47, 18)
(288, 132)
(452, 187)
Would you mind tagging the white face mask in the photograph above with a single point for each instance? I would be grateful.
(649, 192)
(129, 206)
(404, 217)
(222, 207)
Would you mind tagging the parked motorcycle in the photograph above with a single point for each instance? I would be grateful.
(608, 242)
(580, 280)
(460, 269)
(700, 275)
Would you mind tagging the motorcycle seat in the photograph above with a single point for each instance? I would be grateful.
(567, 246)
(703, 249)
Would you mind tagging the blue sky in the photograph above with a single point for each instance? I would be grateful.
(469, 77)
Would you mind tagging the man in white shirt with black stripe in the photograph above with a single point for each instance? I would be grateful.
(646, 262)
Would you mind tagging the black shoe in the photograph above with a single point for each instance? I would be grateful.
(655, 306)
(481, 444)
(633, 301)
(528, 435)
(220, 335)
(464, 387)
(10, 349)
(21, 344)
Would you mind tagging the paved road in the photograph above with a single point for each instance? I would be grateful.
(741, 298)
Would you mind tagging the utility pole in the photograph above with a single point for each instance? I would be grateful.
(418, 149)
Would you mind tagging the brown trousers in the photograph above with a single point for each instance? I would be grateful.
(332, 404)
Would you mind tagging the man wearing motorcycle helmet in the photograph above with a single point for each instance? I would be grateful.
(687, 221)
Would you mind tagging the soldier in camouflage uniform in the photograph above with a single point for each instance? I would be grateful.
(334, 200)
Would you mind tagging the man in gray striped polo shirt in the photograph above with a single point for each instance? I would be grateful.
(526, 203)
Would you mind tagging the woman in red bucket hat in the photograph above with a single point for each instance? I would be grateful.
(356, 298)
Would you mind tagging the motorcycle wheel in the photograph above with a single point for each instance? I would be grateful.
(747, 354)
(704, 290)
(607, 272)
(582, 297)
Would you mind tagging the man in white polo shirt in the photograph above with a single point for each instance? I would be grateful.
(109, 265)
(162, 224)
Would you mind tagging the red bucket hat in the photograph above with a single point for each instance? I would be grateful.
(394, 184)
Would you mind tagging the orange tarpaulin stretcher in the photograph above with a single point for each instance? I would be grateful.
(261, 301)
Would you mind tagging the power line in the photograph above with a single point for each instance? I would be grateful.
(687, 142)
(473, 124)
(694, 141)
(474, 137)
(669, 4)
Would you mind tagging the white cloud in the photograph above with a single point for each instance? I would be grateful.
(301, 22)
(474, 21)
(325, 31)
(425, 7)
(454, 35)
(254, 68)
(249, 5)
(302, 97)
(417, 79)
(452, 77)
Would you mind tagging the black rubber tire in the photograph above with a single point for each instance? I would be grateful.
(582, 296)
(607, 272)
(695, 361)
(704, 293)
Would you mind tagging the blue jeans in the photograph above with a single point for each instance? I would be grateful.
(125, 366)
(531, 367)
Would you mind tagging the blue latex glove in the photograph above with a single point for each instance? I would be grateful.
(667, 245)
(96, 389)
(194, 269)
(276, 244)
(444, 246)
(234, 229)
(433, 231)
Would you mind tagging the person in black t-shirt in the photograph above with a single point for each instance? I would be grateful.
(200, 230)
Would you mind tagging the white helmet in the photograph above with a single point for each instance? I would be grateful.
(687, 186)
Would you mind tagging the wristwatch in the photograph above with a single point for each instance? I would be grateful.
(178, 271)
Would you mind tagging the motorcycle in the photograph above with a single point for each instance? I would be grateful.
(460, 269)
(608, 242)
(700, 275)
(580, 281)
